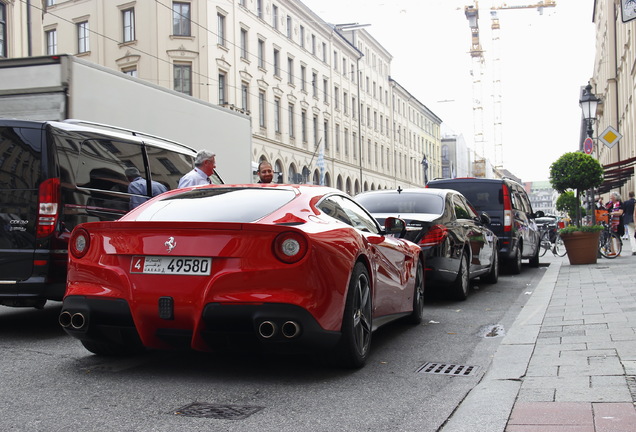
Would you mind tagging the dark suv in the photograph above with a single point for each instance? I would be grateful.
(511, 215)
(55, 175)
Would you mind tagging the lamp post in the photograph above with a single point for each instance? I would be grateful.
(589, 103)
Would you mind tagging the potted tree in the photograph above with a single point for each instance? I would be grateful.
(579, 172)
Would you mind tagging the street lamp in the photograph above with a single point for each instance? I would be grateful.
(588, 104)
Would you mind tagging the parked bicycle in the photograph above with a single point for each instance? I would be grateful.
(551, 241)
(610, 244)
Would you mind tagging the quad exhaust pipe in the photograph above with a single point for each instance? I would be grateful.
(269, 329)
(76, 320)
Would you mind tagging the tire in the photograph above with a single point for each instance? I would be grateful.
(418, 296)
(514, 264)
(353, 348)
(461, 285)
(544, 243)
(110, 349)
(559, 246)
(493, 275)
(534, 261)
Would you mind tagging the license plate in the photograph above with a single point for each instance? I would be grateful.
(171, 265)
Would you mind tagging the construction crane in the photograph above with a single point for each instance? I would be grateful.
(477, 72)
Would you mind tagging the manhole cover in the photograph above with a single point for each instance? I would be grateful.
(223, 412)
(449, 369)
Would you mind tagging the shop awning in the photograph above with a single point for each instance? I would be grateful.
(617, 174)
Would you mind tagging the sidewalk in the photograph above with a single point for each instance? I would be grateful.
(569, 361)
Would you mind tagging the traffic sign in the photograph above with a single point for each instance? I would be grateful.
(610, 137)
(588, 145)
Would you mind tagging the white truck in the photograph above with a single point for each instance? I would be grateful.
(65, 87)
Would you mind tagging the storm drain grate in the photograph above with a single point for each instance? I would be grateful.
(222, 412)
(631, 384)
(448, 369)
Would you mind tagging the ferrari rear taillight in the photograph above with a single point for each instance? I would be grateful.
(290, 247)
(507, 205)
(48, 207)
(435, 236)
(80, 242)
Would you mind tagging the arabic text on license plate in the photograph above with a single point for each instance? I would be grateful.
(171, 265)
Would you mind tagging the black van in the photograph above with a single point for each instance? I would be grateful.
(511, 215)
(55, 175)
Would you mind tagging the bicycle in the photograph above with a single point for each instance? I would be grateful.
(610, 244)
(546, 244)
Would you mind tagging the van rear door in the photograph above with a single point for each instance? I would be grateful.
(21, 170)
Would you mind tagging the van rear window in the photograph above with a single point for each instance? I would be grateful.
(484, 196)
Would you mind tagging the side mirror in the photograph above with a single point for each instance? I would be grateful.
(484, 218)
(539, 214)
(395, 226)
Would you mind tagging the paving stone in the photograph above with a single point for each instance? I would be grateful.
(613, 417)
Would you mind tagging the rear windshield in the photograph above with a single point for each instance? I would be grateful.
(20, 157)
(484, 196)
(218, 205)
(402, 203)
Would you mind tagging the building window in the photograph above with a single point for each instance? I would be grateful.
(302, 36)
(345, 102)
(244, 39)
(243, 3)
(324, 52)
(261, 109)
(289, 26)
(50, 2)
(277, 115)
(303, 78)
(354, 143)
(245, 96)
(130, 71)
(326, 131)
(337, 138)
(314, 84)
(315, 124)
(275, 17)
(183, 78)
(3, 30)
(291, 121)
(290, 70)
(335, 60)
(51, 41)
(261, 53)
(313, 44)
(259, 8)
(181, 19)
(220, 19)
(303, 125)
(346, 142)
(128, 17)
(336, 97)
(354, 108)
(222, 89)
(82, 37)
(325, 89)
(276, 62)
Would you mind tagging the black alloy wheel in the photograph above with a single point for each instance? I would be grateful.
(418, 296)
(461, 285)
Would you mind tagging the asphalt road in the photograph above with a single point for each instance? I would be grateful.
(51, 383)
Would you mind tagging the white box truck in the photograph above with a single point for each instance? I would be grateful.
(66, 87)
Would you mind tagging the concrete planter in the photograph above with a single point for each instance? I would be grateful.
(582, 247)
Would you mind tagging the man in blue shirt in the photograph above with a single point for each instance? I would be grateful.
(138, 186)
(204, 164)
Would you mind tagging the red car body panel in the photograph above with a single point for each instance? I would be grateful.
(244, 269)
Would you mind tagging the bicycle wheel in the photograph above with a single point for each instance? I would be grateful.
(559, 246)
(610, 245)
(544, 243)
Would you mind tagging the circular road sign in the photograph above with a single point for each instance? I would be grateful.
(588, 145)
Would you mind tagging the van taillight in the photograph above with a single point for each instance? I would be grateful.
(48, 207)
(435, 235)
(507, 216)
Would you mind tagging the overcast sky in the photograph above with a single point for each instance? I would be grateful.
(544, 60)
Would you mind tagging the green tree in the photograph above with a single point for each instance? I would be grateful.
(567, 203)
(576, 171)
